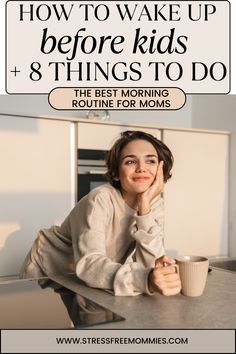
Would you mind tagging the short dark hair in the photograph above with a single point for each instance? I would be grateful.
(114, 154)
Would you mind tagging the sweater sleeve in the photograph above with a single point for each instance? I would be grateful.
(149, 235)
(88, 227)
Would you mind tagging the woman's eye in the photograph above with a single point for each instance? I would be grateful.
(129, 162)
(151, 161)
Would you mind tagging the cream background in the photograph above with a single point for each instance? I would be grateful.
(2, 46)
(24, 39)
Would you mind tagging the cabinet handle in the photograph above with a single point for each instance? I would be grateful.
(96, 172)
(91, 172)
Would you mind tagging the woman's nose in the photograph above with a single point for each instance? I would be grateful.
(140, 167)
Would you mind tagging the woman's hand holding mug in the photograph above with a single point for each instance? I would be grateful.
(164, 278)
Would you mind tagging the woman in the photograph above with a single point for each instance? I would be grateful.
(116, 231)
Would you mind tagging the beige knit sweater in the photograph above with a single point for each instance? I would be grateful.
(113, 247)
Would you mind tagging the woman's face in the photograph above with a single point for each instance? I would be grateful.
(138, 167)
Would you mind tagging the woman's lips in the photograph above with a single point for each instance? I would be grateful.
(140, 179)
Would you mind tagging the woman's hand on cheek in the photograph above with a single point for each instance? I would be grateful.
(145, 198)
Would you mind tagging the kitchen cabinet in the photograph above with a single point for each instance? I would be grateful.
(101, 136)
(232, 197)
(196, 197)
(37, 182)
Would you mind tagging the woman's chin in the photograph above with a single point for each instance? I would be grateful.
(141, 188)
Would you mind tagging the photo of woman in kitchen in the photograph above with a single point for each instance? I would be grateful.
(113, 237)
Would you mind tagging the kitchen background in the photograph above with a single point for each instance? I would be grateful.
(38, 170)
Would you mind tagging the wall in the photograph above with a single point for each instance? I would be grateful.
(218, 112)
(214, 112)
(38, 104)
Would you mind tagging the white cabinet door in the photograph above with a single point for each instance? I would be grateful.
(232, 197)
(37, 178)
(196, 202)
(99, 136)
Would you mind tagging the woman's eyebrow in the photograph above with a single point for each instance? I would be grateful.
(131, 155)
(151, 155)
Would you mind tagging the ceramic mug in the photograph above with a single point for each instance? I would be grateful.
(193, 272)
